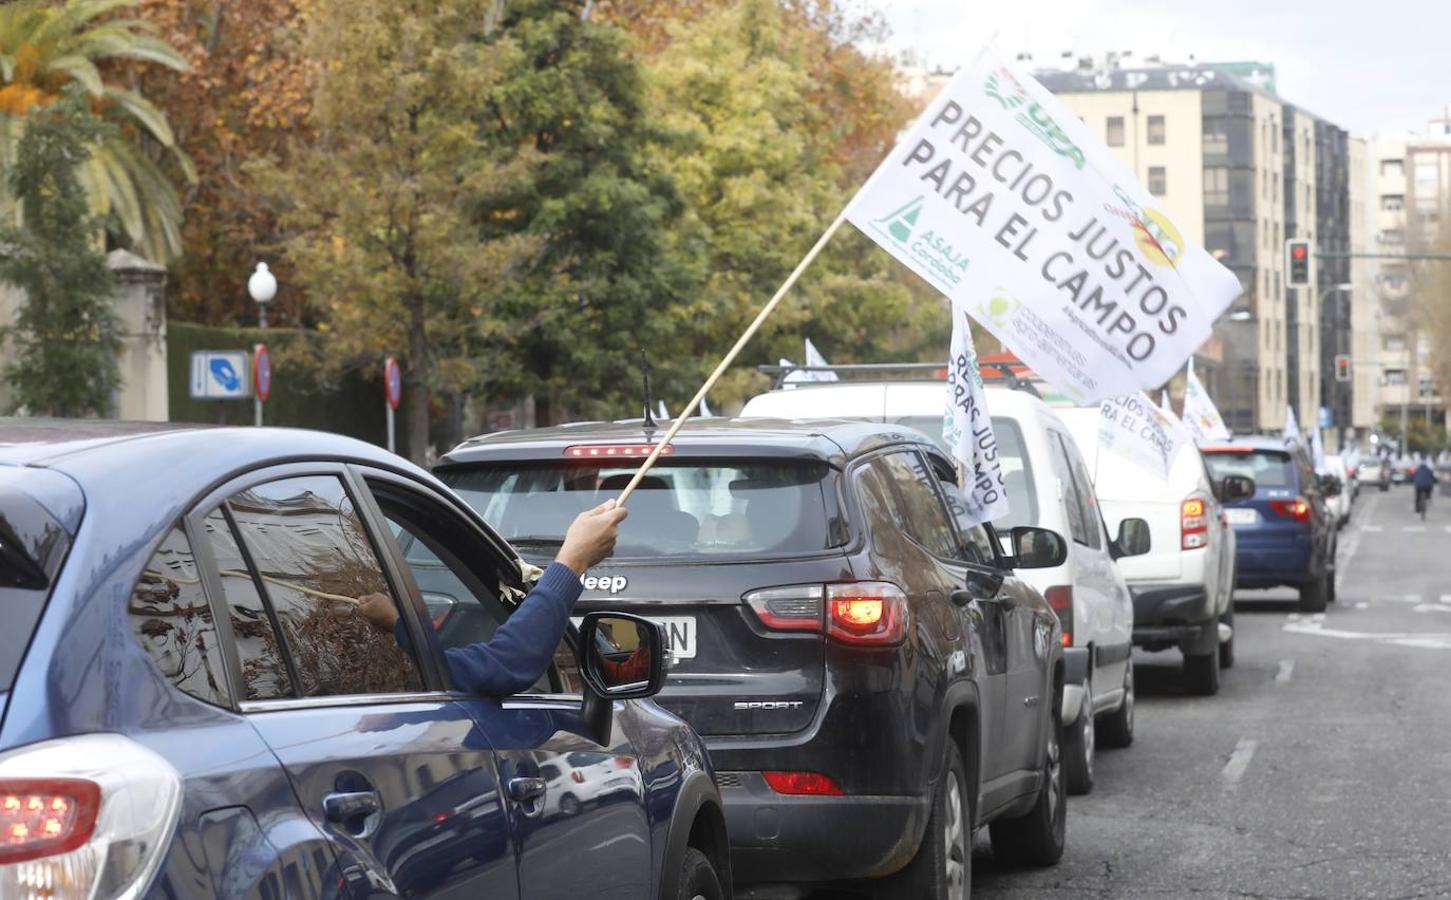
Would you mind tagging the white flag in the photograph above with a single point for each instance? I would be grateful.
(814, 358)
(1165, 403)
(704, 411)
(1003, 200)
(967, 430)
(1201, 416)
(1292, 427)
(1317, 452)
(661, 410)
(1133, 427)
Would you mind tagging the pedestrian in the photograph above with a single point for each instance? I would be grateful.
(1424, 479)
(520, 651)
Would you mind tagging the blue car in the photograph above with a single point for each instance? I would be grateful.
(1285, 533)
(191, 705)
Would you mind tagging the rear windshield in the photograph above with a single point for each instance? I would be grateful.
(683, 508)
(1269, 468)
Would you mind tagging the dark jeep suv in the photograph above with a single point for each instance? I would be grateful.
(871, 680)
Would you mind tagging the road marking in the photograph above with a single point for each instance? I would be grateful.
(1446, 598)
(1375, 528)
(1412, 598)
(1362, 605)
(1414, 529)
(1239, 760)
(1430, 607)
(1293, 617)
(1287, 667)
(1448, 529)
(1427, 641)
(1318, 618)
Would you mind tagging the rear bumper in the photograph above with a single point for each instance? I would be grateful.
(1180, 615)
(1269, 560)
(779, 838)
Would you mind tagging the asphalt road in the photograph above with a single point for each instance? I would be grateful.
(1322, 768)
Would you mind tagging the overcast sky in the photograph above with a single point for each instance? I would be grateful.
(1371, 66)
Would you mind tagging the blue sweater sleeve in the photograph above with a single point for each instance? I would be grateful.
(521, 650)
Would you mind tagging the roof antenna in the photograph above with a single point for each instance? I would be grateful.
(649, 422)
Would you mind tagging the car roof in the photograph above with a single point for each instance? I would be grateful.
(1247, 443)
(879, 399)
(832, 440)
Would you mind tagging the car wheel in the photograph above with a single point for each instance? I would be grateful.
(942, 868)
(1313, 594)
(698, 880)
(1201, 673)
(1116, 729)
(1078, 746)
(569, 805)
(1330, 575)
(1036, 839)
(1226, 648)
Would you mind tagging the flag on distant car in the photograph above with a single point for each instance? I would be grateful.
(1317, 452)
(1292, 427)
(1133, 427)
(967, 430)
(1201, 416)
(1002, 199)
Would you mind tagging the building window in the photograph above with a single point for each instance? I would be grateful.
(1115, 131)
(1392, 202)
(1392, 236)
(1428, 178)
(1216, 186)
(1393, 342)
(1156, 129)
(1276, 294)
(1392, 168)
(1395, 376)
(1274, 136)
(1157, 178)
(1216, 137)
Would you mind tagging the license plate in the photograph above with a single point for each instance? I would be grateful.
(679, 633)
(1241, 516)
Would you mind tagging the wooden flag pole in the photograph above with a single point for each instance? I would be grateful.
(730, 357)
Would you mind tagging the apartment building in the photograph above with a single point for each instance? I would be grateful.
(1240, 170)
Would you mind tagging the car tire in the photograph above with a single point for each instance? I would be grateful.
(1116, 729)
(1201, 673)
(942, 867)
(698, 880)
(1313, 594)
(1330, 573)
(1226, 648)
(569, 805)
(1078, 746)
(1037, 838)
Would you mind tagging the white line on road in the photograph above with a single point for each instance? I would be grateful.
(1375, 528)
(1414, 529)
(1413, 598)
(1292, 617)
(1446, 598)
(1239, 760)
(1287, 667)
(1362, 605)
(1318, 617)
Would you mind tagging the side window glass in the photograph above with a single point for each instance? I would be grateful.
(314, 560)
(976, 547)
(1078, 526)
(465, 601)
(259, 649)
(925, 517)
(170, 616)
(1087, 499)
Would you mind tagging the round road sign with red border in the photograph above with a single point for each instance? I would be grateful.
(393, 381)
(262, 371)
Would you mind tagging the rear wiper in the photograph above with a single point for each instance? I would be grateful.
(538, 540)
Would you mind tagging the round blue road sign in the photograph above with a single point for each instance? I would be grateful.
(262, 371)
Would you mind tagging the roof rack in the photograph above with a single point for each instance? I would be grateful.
(1009, 378)
(779, 373)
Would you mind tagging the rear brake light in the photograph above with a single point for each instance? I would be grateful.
(1193, 524)
(812, 783)
(578, 451)
(1060, 597)
(87, 816)
(43, 817)
(1297, 509)
(866, 612)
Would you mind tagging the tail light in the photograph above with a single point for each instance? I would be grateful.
(83, 817)
(857, 612)
(1297, 509)
(1060, 597)
(1193, 524)
(809, 783)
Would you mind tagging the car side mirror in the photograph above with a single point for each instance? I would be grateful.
(623, 655)
(1329, 485)
(1037, 548)
(1133, 538)
(1235, 487)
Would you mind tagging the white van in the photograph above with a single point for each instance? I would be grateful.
(1183, 588)
(1048, 486)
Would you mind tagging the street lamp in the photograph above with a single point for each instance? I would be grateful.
(263, 287)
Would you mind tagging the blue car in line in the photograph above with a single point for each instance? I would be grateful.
(191, 705)
(1285, 532)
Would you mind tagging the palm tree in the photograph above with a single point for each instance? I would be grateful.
(46, 47)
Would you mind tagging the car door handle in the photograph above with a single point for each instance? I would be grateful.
(354, 810)
(523, 790)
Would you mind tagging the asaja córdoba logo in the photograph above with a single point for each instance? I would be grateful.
(928, 248)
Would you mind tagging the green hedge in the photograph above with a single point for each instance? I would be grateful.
(354, 406)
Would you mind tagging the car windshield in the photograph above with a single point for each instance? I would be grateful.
(684, 508)
(1269, 468)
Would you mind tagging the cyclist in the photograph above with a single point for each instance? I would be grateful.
(1424, 479)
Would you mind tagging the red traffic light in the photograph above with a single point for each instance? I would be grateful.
(1299, 251)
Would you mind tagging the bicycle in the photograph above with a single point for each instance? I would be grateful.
(1423, 500)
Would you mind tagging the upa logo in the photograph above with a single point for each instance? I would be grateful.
(999, 308)
(1004, 87)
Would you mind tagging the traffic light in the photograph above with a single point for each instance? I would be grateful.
(1297, 262)
(1342, 367)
